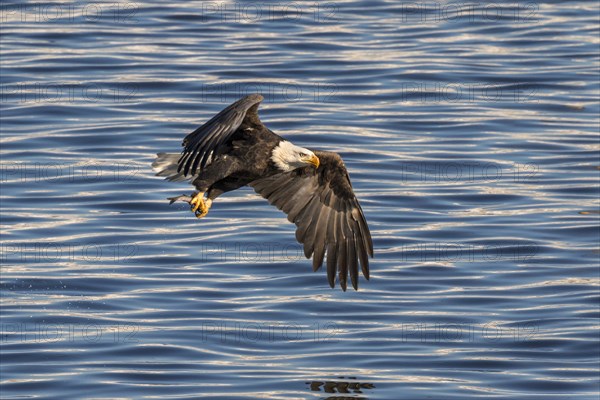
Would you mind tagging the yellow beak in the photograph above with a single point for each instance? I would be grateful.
(314, 160)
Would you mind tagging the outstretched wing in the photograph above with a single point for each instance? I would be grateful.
(203, 143)
(326, 212)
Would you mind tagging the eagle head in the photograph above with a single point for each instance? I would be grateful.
(288, 157)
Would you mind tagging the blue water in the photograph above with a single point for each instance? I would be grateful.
(470, 131)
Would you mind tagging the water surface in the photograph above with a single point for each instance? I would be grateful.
(470, 131)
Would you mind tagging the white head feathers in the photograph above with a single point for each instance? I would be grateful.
(288, 156)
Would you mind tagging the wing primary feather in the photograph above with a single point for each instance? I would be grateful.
(342, 259)
(318, 255)
(317, 236)
(352, 261)
(363, 257)
(331, 229)
(321, 239)
(342, 237)
(363, 229)
(331, 263)
(332, 245)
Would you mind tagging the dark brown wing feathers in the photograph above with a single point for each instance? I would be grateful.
(326, 212)
(200, 146)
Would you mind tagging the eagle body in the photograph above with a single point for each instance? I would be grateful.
(234, 149)
(244, 158)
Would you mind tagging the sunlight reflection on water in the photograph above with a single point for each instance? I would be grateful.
(471, 140)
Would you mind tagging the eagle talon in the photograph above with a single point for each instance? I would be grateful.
(197, 201)
(199, 205)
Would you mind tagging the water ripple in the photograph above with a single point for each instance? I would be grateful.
(470, 133)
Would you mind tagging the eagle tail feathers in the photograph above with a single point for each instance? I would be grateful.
(165, 165)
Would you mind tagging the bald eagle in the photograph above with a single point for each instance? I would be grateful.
(234, 149)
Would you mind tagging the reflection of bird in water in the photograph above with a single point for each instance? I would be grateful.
(234, 149)
(341, 387)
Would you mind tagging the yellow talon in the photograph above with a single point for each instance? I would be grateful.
(199, 205)
(202, 211)
(196, 201)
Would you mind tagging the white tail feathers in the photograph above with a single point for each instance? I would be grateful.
(165, 165)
